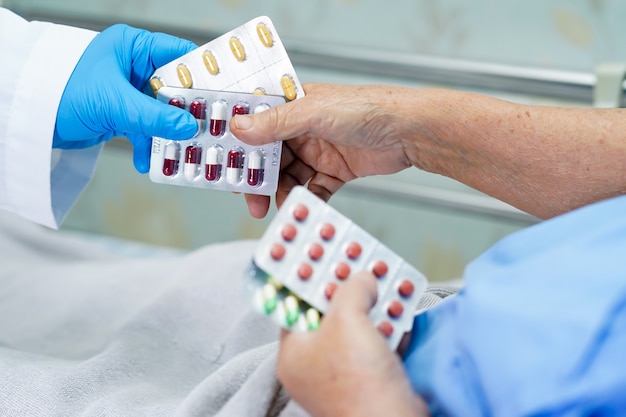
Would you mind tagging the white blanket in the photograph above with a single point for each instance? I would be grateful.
(89, 330)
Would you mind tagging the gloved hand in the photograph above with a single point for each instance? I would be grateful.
(103, 96)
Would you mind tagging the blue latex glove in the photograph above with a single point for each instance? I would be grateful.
(102, 98)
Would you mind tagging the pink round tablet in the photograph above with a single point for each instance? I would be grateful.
(395, 309)
(406, 288)
(316, 251)
(330, 290)
(342, 271)
(380, 269)
(277, 251)
(327, 231)
(289, 232)
(385, 328)
(305, 271)
(300, 212)
(354, 250)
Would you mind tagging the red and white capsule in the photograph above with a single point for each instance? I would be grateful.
(219, 113)
(193, 161)
(198, 109)
(170, 159)
(234, 166)
(213, 163)
(255, 168)
(178, 101)
(241, 108)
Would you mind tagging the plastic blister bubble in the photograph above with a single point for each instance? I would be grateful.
(215, 158)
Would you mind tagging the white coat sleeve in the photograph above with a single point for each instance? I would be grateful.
(37, 60)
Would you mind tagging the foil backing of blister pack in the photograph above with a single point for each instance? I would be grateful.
(214, 158)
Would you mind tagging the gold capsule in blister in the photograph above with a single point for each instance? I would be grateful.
(259, 91)
(264, 35)
(155, 85)
(210, 62)
(289, 87)
(184, 76)
(237, 49)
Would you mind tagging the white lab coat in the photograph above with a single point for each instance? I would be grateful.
(37, 61)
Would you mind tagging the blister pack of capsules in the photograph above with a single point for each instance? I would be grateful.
(215, 158)
(308, 250)
(248, 59)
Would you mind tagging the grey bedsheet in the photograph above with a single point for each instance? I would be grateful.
(86, 330)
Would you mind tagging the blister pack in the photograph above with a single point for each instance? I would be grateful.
(308, 250)
(215, 158)
(250, 58)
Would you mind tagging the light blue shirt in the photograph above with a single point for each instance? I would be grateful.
(540, 327)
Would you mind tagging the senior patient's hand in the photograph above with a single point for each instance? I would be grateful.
(345, 368)
(334, 134)
(102, 98)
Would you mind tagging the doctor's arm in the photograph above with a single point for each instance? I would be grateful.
(70, 90)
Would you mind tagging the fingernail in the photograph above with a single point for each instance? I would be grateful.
(242, 122)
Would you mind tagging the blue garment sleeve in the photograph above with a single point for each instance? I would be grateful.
(539, 328)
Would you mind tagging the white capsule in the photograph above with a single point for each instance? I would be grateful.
(261, 108)
(171, 151)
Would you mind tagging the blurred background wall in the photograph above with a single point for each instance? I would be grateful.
(536, 51)
(565, 34)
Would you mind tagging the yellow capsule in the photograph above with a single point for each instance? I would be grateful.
(264, 35)
(237, 49)
(289, 87)
(259, 91)
(155, 85)
(184, 75)
(210, 62)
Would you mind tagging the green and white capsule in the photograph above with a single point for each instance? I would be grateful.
(312, 319)
(292, 310)
(270, 298)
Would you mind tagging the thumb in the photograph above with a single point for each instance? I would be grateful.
(358, 295)
(282, 122)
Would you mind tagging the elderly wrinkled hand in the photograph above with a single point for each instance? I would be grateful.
(332, 135)
(346, 368)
